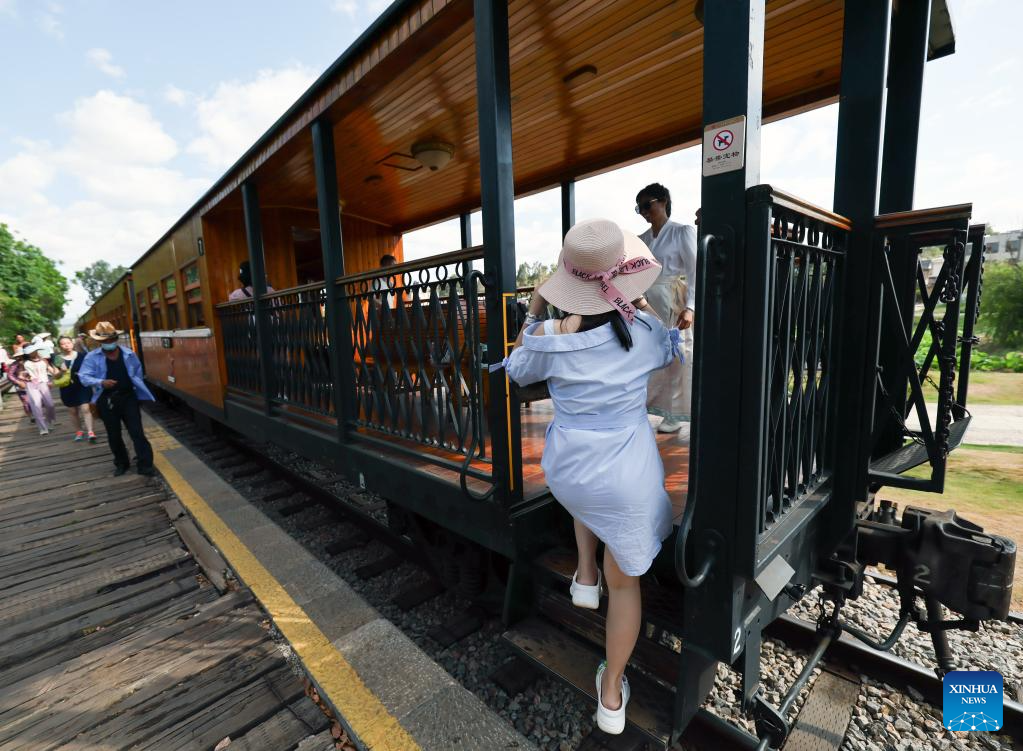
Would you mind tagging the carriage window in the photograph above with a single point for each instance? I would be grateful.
(154, 306)
(170, 301)
(193, 296)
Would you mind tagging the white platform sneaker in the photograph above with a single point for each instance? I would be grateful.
(669, 426)
(611, 721)
(585, 595)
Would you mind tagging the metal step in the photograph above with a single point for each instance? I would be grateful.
(914, 454)
(653, 658)
(575, 663)
(662, 607)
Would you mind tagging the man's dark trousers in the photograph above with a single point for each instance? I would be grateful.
(113, 412)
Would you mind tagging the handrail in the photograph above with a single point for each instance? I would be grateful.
(682, 539)
(399, 269)
(799, 205)
(921, 216)
(232, 303)
(270, 295)
(292, 290)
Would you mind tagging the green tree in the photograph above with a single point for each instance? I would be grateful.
(98, 278)
(1001, 305)
(531, 274)
(33, 292)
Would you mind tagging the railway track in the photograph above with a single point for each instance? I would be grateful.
(304, 502)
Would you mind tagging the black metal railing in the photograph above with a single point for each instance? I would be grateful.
(417, 331)
(807, 246)
(922, 323)
(296, 327)
(241, 353)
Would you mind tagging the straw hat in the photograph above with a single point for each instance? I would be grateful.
(105, 332)
(595, 248)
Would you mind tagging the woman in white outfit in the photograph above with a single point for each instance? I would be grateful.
(600, 456)
(673, 298)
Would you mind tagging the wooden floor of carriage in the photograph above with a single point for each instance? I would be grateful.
(110, 634)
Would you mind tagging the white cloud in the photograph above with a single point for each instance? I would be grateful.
(49, 21)
(177, 96)
(9, 7)
(348, 7)
(108, 127)
(24, 176)
(116, 159)
(237, 113)
(103, 60)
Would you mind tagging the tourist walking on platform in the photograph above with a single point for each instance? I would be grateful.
(673, 298)
(114, 373)
(15, 375)
(36, 372)
(5, 360)
(600, 457)
(75, 396)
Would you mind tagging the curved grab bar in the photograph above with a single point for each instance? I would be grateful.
(685, 527)
(463, 479)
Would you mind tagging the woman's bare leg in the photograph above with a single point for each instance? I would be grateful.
(624, 616)
(87, 418)
(76, 423)
(586, 545)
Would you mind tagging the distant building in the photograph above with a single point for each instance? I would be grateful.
(1003, 246)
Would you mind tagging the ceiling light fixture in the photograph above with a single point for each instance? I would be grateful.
(433, 154)
(580, 75)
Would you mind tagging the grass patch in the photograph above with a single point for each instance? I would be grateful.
(986, 388)
(995, 388)
(996, 449)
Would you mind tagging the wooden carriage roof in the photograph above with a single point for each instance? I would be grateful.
(595, 84)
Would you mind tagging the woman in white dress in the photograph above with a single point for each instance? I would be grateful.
(673, 298)
(600, 456)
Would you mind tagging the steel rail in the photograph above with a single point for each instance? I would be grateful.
(896, 671)
(1014, 617)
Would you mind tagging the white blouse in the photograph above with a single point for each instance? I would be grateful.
(675, 249)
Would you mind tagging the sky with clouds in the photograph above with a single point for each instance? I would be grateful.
(117, 116)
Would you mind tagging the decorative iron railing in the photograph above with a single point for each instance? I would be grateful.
(299, 348)
(806, 249)
(927, 346)
(417, 331)
(241, 353)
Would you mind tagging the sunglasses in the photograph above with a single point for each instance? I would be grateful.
(645, 206)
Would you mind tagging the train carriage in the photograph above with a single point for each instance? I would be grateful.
(805, 362)
(114, 305)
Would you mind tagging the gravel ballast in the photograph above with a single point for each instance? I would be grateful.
(554, 717)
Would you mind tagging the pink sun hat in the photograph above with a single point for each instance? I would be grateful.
(601, 268)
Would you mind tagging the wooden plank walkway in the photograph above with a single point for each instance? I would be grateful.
(110, 636)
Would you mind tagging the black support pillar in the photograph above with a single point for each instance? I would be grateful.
(493, 96)
(567, 207)
(336, 306)
(910, 28)
(732, 89)
(465, 229)
(857, 165)
(254, 239)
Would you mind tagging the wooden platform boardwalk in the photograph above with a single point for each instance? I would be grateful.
(110, 635)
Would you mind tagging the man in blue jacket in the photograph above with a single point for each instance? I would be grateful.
(114, 373)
